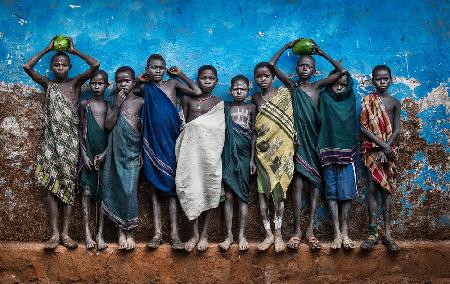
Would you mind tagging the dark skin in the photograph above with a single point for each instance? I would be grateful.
(305, 69)
(243, 114)
(130, 106)
(381, 81)
(194, 107)
(70, 89)
(154, 74)
(99, 108)
(264, 79)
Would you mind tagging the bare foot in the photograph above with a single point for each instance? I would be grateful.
(225, 245)
(243, 244)
(294, 242)
(202, 244)
(336, 244)
(154, 243)
(122, 240)
(130, 242)
(101, 245)
(268, 241)
(190, 245)
(90, 244)
(279, 244)
(52, 243)
(177, 243)
(68, 242)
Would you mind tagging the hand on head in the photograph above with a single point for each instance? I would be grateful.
(174, 71)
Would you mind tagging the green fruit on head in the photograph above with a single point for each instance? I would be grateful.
(303, 47)
(61, 43)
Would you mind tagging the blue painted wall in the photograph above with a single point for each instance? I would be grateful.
(410, 36)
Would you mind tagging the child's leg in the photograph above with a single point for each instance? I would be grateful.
(243, 209)
(372, 240)
(346, 208)
(296, 196)
(157, 239)
(101, 245)
(278, 221)
(130, 240)
(189, 246)
(67, 241)
(122, 239)
(53, 212)
(268, 241)
(86, 196)
(228, 214)
(312, 240)
(387, 238)
(334, 212)
(203, 242)
(173, 206)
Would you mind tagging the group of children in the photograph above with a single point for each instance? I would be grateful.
(301, 136)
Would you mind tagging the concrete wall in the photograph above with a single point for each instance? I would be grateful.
(410, 36)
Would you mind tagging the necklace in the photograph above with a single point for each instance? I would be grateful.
(303, 84)
(199, 106)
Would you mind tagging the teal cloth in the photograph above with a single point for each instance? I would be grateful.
(337, 137)
(94, 140)
(236, 157)
(119, 181)
(307, 123)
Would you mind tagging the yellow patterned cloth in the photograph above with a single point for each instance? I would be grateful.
(275, 136)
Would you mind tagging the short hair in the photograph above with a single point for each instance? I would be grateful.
(102, 73)
(60, 53)
(381, 67)
(125, 69)
(155, 56)
(206, 67)
(240, 78)
(264, 65)
(307, 56)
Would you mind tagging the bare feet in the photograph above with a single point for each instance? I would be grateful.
(202, 244)
(52, 243)
(313, 243)
(101, 245)
(130, 241)
(68, 242)
(177, 243)
(294, 242)
(268, 241)
(336, 244)
(90, 244)
(243, 244)
(225, 245)
(348, 243)
(155, 242)
(279, 244)
(190, 245)
(122, 240)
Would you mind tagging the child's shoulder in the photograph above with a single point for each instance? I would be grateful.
(216, 99)
(250, 106)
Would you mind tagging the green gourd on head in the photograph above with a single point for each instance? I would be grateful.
(61, 43)
(304, 46)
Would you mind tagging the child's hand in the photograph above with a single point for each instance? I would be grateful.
(52, 42)
(381, 157)
(121, 96)
(252, 168)
(174, 71)
(144, 77)
(98, 160)
(71, 48)
(317, 49)
(87, 162)
(387, 150)
(292, 43)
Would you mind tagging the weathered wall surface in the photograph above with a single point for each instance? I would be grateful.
(410, 36)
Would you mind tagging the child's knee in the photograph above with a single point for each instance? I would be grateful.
(86, 193)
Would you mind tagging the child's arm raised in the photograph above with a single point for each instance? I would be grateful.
(335, 76)
(29, 66)
(289, 83)
(191, 89)
(94, 65)
(111, 115)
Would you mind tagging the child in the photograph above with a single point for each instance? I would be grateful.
(275, 134)
(238, 157)
(119, 181)
(380, 124)
(198, 151)
(58, 153)
(305, 97)
(337, 149)
(161, 127)
(93, 141)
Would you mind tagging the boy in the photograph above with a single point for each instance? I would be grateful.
(57, 159)
(161, 127)
(305, 97)
(380, 124)
(238, 157)
(119, 180)
(93, 141)
(275, 134)
(198, 151)
(337, 149)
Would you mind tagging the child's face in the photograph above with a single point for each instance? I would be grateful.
(125, 81)
(263, 77)
(98, 85)
(305, 68)
(239, 91)
(156, 70)
(60, 67)
(340, 85)
(381, 80)
(207, 81)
